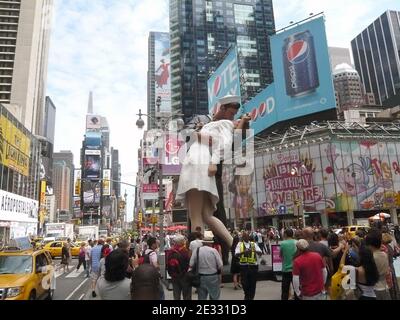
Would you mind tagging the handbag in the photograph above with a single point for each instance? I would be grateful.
(193, 275)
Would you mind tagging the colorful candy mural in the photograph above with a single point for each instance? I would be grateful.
(337, 177)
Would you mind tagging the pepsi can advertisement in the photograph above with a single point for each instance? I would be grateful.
(302, 71)
(300, 64)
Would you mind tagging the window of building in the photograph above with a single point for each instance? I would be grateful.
(247, 46)
(209, 11)
(244, 14)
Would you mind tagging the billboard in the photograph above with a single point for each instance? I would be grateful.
(92, 166)
(106, 182)
(77, 207)
(334, 177)
(150, 191)
(224, 81)
(93, 140)
(149, 149)
(93, 122)
(15, 147)
(162, 74)
(91, 193)
(302, 70)
(303, 78)
(171, 165)
(17, 208)
(77, 182)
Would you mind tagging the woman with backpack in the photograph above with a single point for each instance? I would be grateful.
(177, 265)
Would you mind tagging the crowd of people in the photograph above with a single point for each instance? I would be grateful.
(315, 262)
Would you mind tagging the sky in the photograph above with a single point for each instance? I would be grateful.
(101, 46)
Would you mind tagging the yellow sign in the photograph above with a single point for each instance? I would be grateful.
(42, 193)
(15, 147)
(42, 215)
(140, 216)
(78, 187)
(154, 219)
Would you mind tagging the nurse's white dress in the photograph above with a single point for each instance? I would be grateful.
(194, 173)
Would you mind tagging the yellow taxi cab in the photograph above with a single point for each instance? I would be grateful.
(26, 274)
(55, 248)
(351, 231)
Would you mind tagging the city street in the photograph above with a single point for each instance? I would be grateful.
(71, 285)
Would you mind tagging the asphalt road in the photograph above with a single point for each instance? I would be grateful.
(72, 285)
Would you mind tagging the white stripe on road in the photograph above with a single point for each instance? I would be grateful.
(77, 288)
(74, 274)
(82, 296)
(59, 273)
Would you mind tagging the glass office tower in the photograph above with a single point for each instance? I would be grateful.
(202, 31)
(376, 53)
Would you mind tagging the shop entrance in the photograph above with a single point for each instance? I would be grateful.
(337, 219)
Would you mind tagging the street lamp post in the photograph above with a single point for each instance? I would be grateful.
(140, 124)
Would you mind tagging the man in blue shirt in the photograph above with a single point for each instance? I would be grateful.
(95, 256)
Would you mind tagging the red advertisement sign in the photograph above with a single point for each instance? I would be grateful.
(276, 258)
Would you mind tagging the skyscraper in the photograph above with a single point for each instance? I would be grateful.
(62, 185)
(339, 56)
(115, 172)
(67, 158)
(201, 31)
(376, 52)
(349, 89)
(24, 47)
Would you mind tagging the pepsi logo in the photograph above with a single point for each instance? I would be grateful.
(217, 86)
(262, 109)
(297, 51)
(254, 114)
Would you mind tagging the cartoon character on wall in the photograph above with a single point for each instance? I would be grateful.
(243, 201)
(354, 180)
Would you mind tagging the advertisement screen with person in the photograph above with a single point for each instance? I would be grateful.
(92, 166)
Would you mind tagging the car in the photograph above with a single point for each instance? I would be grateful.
(351, 231)
(26, 274)
(55, 247)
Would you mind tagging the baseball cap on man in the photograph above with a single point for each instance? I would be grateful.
(230, 99)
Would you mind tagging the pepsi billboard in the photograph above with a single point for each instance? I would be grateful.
(303, 77)
(224, 81)
(302, 70)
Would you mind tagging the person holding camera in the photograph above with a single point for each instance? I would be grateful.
(247, 251)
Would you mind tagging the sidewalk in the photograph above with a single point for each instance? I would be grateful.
(266, 290)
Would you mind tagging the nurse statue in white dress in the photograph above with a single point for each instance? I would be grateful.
(197, 180)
